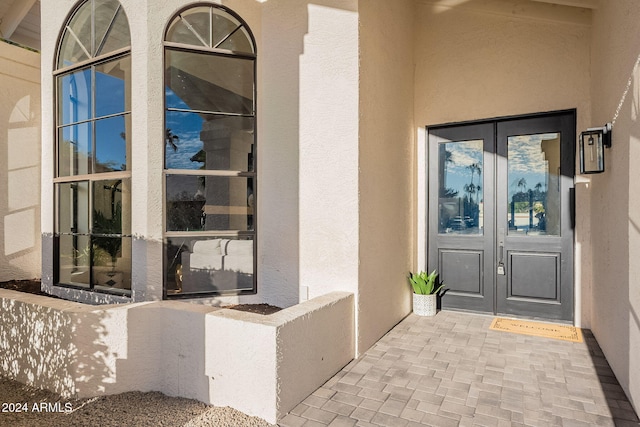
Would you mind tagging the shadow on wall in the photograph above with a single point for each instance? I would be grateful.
(19, 163)
(44, 347)
(615, 323)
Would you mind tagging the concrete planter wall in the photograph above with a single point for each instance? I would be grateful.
(261, 365)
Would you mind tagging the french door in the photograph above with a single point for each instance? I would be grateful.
(500, 214)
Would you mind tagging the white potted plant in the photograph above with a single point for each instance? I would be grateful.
(425, 292)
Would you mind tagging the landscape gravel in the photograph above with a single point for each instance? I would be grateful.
(44, 408)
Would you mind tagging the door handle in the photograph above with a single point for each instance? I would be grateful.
(501, 251)
(501, 234)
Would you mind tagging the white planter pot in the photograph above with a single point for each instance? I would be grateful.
(425, 305)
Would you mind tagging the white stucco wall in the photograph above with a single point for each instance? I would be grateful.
(328, 144)
(260, 365)
(615, 211)
(386, 172)
(493, 59)
(19, 163)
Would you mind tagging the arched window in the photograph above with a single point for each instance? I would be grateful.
(92, 154)
(210, 173)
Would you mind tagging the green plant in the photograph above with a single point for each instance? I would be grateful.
(425, 284)
(109, 229)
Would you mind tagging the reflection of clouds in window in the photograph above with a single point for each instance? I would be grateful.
(173, 100)
(185, 129)
(463, 168)
(526, 155)
(528, 165)
(188, 147)
(463, 155)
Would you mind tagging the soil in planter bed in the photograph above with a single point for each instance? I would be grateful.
(29, 286)
(255, 308)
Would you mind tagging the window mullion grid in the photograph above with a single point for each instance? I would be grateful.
(213, 113)
(116, 54)
(80, 122)
(93, 177)
(224, 39)
(93, 119)
(90, 229)
(210, 27)
(109, 27)
(210, 50)
(211, 233)
(93, 28)
(205, 172)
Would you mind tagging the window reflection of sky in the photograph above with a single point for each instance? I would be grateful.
(527, 162)
(187, 127)
(109, 95)
(110, 143)
(458, 172)
(75, 105)
(75, 92)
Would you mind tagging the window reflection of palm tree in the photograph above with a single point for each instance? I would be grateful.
(478, 169)
(470, 189)
(538, 186)
(171, 139)
(522, 185)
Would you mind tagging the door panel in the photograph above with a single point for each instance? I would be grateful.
(458, 243)
(535, 162)
(544, 267)
(464, 269)
(500, 229)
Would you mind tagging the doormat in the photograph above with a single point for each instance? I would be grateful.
(537, 329)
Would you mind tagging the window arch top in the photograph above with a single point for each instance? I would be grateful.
(210, 27)
(96, 28)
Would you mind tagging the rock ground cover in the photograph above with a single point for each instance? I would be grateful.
(44, 409)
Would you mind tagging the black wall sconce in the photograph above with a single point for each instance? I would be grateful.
(592, 144)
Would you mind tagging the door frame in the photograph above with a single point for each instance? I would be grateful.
(423, 172)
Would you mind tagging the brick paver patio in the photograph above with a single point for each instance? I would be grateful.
(451, 370)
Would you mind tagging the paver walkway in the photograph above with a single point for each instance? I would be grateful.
(451, 370)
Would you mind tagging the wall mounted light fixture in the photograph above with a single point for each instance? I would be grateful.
(592, 144)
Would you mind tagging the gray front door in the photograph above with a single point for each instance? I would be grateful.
(500, 210)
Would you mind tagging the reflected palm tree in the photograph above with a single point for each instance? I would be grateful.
(171, 139)
(474, 167)
(522, 185)
(470, 189)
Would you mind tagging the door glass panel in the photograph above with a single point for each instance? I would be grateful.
(460, 198)
(533, 206)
